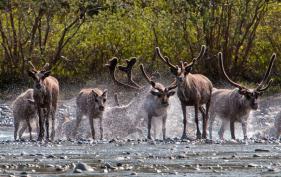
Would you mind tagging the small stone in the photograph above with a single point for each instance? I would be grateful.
(119, 164)
(134, 173)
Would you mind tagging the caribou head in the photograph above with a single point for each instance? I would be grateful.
(185, 68)
(158, 90)
(251, 95)
(38, 76)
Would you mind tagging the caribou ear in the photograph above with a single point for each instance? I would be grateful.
(259, 93)
(31, 74)
(46, 74)
(155, 93)
(104, 93)
(174, 71)
(171, 93)
(188, 69)
(31, 101)
(242, 91)
(94, 93)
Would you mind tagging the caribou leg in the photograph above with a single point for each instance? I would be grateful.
(212, 119)
(232, 131)
(164, 118)
(101, 128)
(206, 118)
(244, 129)
(78, 121)
(222, 129)
(41, 125)
(91, 120)
(198, 133)
(183, 107)
(149, 127)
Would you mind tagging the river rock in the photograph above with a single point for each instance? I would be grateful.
(82, 167)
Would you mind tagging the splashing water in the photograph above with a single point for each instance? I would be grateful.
(129, 121)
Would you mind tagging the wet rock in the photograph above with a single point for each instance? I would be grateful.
(59, 168)
(119, 164)
(63, 157)
(24, 174)
(112, 141)
(50, 166)
(77, 171)
(134, 173)
(174, 173)
(262, 150)
(158, 171)
(256, 155)
(252, 165)
(181, 156)
(83, 167)
(51, 156)
(108, 166)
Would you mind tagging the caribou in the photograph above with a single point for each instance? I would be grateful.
(235, 105)
(156, 101)
(24, 112)
(193, 90)
(45, 95)
(91, 103)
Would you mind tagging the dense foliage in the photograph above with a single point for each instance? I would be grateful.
(78, 37)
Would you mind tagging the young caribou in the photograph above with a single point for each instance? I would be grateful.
(46, 91)
(24, 112)
(235, 105)
(91, 103)
(156, 102)
(193, 90)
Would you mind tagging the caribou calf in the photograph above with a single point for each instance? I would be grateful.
(24, 112)
(90, 102)
(235, 105)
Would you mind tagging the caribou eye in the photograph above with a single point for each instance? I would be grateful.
(104, 100)
(96, 100)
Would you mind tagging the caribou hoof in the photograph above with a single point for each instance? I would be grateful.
(204, 135)
(198, 136)
(184, 137)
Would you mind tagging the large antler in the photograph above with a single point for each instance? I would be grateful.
(146, 76)
(266, 76)
(173, 85)
(265, 86)
(201, 54)
(153, 84)
(45, 67)
(128, 70)
(112, 67)
(226, 76)
(31, 64)
(165, 59)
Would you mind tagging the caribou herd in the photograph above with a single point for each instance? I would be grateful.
(39, 104)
